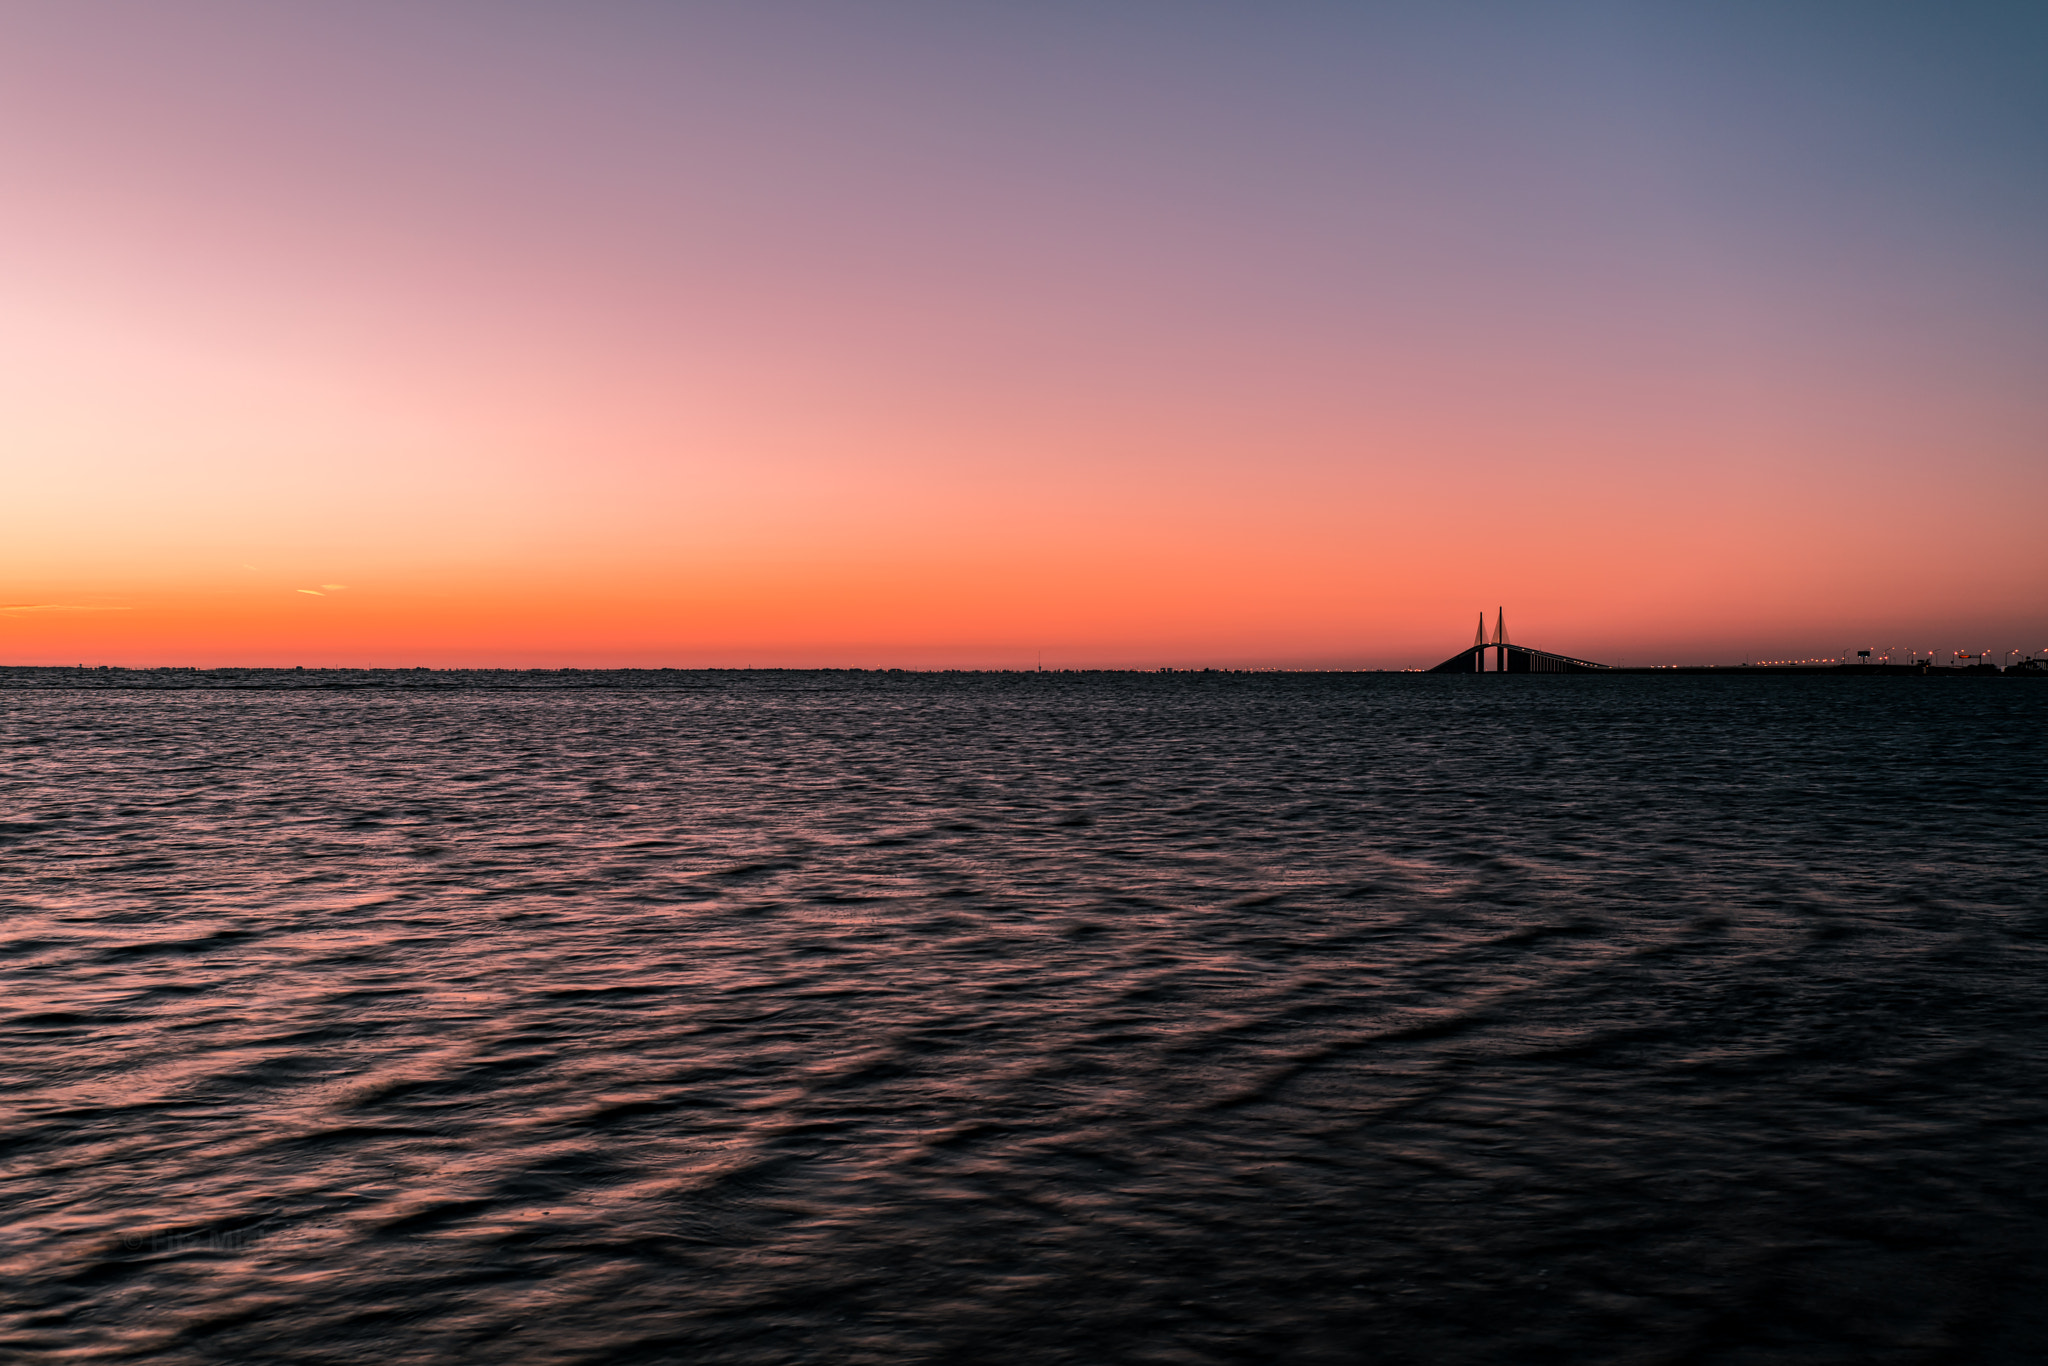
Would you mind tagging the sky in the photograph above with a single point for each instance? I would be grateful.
(1126, 333)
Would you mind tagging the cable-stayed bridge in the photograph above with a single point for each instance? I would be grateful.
(1510, 658)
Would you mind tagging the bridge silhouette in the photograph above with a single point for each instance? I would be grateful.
(1511, 658)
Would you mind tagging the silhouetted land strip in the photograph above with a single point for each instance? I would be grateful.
(112, 678)
(1813, 670)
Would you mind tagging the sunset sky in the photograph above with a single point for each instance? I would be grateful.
(1129, 333)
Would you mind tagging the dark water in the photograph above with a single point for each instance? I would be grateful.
(891, 1018)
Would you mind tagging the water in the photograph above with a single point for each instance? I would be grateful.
(866, 1018)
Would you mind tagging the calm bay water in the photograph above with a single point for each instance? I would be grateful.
(868, 1018)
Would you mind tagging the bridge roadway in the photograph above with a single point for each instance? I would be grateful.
(1520, 660)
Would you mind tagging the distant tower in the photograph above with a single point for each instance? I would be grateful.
(1500, 638)
(1479, 646)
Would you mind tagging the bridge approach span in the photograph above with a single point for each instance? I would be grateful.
(1516, 659)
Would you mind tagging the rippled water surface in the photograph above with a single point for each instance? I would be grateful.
(871, 1018)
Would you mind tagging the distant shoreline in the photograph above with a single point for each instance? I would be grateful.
(174, 678)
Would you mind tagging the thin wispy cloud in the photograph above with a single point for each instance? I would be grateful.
(312, 592)
(13, 608)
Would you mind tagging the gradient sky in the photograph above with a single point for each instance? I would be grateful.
(947, 334)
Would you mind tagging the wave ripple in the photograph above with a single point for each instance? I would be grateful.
(1035, 1019)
